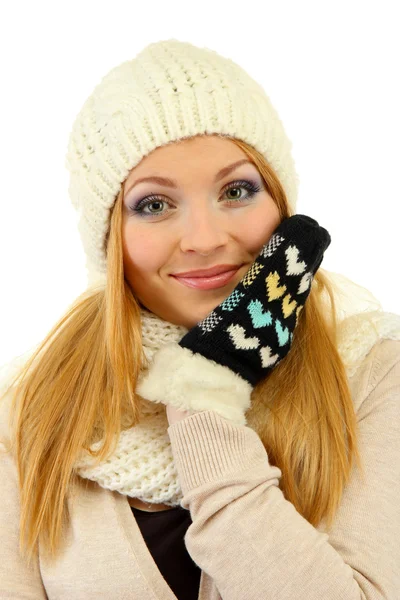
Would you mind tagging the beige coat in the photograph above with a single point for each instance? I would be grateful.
(249, 541)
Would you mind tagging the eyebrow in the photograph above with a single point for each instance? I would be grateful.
(173, 184)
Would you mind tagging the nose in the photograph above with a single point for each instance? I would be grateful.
(203, 232)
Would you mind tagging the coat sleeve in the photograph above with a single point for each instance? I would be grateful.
(253, 542)
(17, 580)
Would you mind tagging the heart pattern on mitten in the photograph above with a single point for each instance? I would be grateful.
(252, 329)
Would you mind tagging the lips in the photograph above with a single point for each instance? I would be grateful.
(208, 283)
(217, 270)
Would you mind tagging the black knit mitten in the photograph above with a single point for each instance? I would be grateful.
(252, 330)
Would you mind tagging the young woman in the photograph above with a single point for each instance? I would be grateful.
(212, 418)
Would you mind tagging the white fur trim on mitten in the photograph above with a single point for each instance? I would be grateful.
(189, 381)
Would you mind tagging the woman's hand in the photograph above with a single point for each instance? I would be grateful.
(216, 365)
(252, 330)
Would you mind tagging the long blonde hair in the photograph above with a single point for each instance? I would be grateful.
(81, 381)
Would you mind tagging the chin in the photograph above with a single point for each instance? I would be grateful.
(188, 322)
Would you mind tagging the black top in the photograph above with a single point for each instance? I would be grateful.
(163, 533)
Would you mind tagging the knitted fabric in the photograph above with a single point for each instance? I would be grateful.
(171, 90)
(142, 464)
(251, 331)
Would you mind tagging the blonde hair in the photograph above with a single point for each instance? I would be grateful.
(80, 383)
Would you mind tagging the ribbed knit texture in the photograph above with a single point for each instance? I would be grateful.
(169, 91)
(194, 441)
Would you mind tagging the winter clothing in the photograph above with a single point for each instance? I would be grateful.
(248, 540)
(230, 528)
(169, 91)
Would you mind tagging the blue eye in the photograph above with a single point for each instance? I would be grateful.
(252, 190)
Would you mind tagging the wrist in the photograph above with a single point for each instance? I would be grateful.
(189, 381)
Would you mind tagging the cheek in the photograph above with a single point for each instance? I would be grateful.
(259, 227)
(141, 253)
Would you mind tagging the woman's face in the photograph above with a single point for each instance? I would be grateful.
(206, 218)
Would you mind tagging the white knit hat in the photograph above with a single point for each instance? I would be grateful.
(169, 91)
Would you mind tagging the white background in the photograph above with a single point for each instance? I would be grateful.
(331, 69)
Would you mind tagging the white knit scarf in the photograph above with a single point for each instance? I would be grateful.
(142, 464)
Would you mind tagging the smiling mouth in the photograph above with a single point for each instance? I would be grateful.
(208, 283)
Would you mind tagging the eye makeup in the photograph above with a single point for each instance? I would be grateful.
(251, 187)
